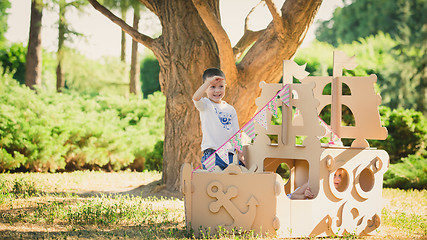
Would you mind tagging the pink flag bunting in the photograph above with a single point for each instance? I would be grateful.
(284, 94)
(223, 154)
(272, 106)
(249, 129)
(324, 125)
(236, 141)
(210, 163)
(261, 118)
(334, 137)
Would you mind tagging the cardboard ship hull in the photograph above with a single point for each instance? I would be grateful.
(237, 199)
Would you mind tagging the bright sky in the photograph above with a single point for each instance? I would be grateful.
(103, 36)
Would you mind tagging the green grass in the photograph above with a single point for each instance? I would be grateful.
(406, 211)
(57, 206)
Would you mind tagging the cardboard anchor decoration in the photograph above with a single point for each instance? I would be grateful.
(243, 220)
(255, 198)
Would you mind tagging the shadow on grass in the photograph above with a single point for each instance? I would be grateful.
(133, 232)
(154, 189)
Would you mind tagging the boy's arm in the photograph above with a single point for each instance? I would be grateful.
(199, 93)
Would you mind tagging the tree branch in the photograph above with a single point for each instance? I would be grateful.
(150, 6)
(137, 36)
(268, 53)
(224, 45)
(250, 12)
(248, 37)
(277, 18)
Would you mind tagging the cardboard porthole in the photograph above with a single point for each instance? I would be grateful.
(364, 182)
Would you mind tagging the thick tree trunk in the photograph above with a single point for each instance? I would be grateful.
(134, 85)
(190, 49)
(33, 73)
(60, 79)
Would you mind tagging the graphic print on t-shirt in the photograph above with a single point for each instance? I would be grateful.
(224, 118)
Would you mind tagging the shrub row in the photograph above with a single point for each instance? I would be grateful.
(68, 131)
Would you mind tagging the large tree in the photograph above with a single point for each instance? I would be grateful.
(192, 40)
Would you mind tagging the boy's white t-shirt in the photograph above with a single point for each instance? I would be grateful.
(219, 123)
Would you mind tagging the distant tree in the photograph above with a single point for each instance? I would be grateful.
(123, 6)
(64, 33)
(4, 5)
(33, 73)
(134, 83)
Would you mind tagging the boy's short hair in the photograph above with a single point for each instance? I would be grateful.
(210, 72)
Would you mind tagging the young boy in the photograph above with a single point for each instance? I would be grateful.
(218, 118)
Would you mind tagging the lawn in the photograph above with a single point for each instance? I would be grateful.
(122, 205)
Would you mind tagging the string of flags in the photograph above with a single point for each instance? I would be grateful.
(249, 128)
(334, 137)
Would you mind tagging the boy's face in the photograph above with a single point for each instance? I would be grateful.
(338, 177)
(216, 91)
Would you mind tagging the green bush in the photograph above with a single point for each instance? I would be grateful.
(150, 69)
(154, 160)
(407, 133)
(50, 132)
(12, 58)
(410, 173)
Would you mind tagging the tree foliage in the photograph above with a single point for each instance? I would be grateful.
(400, 83)
(4, 6)
(362, 18)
